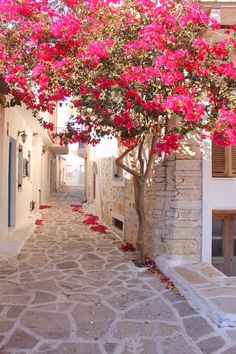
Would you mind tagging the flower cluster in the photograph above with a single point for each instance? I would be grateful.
(126, 72)
(49, 126)
(168, 144)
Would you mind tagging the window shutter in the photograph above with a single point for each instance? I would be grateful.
(233, 157)
(218, 160)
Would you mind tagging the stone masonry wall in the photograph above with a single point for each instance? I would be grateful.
(117, 199)
(131, 218)
(173, 204)
(112, 197)
(178, 212)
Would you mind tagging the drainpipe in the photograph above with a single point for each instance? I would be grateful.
(40, 197)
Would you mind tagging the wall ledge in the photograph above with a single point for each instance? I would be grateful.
(206, 289)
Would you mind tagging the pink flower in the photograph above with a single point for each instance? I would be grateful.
(38, 70)
(201, 44)
(72, 3)
(49, 126)
(62, 63)
(227, 117)
(140, 74)
(226, 69)
(97, 49)
(194, 14)
(66, 26)
(123, 119)
(169, 142)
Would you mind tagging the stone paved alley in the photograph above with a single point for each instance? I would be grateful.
(71, 290)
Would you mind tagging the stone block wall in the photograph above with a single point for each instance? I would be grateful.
(116, 198)
(178, 208)
(173, 204)
(107, 193)
(131, 218)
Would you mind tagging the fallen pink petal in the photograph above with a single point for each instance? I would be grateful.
(45, 206)
(89, 215)
(76, 209)
(127, 247)
(91, 220)
(99, 228)
(76, 205)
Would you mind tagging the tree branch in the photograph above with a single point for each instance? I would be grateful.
(126, 168)
(140, 157)
(151, 156)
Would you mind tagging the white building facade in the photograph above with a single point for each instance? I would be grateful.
(30, 169)
(74, 164)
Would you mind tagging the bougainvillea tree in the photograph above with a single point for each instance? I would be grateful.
(139, 70)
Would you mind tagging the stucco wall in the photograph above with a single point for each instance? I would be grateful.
(41, 177)
(3, 175)
(14, 122)
(218, 194)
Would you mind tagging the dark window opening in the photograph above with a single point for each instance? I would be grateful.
(118, 223)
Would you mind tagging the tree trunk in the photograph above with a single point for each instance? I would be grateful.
(139, 179)
(139, 193)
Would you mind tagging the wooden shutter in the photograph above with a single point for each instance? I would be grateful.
(218, 160)
(233, 159)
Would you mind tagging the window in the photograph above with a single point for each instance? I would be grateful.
(224, 241)
(217, 236)
(118, 223)
(20, 166)
(29, 164)
(223, 161)
(25, 167)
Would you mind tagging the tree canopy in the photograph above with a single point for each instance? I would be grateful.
(127, 67)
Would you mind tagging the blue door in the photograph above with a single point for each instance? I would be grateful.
(9, 182)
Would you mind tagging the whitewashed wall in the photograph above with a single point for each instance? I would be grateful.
(74, 167)
(218, 194)
(60, 175)
(3, 175)
(43, 178)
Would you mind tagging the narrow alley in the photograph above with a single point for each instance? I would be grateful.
(71, 290)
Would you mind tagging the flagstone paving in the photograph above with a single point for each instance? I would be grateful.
(71, 290)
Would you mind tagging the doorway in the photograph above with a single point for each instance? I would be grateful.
(52, 172)
(224, 241)
(11, 182)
